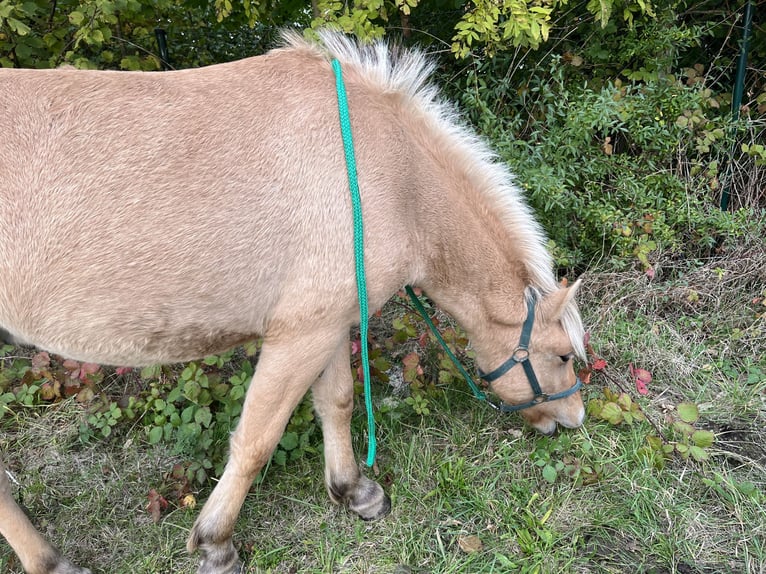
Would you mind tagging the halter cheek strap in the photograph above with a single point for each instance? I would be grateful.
(520, 356)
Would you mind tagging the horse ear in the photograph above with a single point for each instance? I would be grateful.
(558, 301)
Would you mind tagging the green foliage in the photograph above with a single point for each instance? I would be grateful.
(565, 457)
(300, 437)
(685, 439)
(34, 33)
(535, 535)
(616, 408)
(646, 153)
(120, 34)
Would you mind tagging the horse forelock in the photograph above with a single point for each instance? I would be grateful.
(393, 69)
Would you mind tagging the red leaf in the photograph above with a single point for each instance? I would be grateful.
(356, 347)
(640, 374)
(411, 360)
(122, 370)
(41, 360)
(650, 273)
(586, 338)
(641, 377)
(71, 365)
(71, 387)
(90, 368)
(423, 340)
(157, 504)
(585, 375)
(598, 365)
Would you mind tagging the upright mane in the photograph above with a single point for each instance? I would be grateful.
(407, 72)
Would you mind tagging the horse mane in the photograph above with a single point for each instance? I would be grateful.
(407, 71)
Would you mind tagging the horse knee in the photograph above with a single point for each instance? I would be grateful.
(366, 498)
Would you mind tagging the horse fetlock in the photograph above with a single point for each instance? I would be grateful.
(64, 566)
(217, 556)
(368, 499)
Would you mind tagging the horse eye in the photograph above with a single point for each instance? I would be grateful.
(566, 358)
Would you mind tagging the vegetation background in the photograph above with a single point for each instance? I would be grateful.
(618, 119)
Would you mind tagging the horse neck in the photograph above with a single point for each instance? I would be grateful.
(474, 267)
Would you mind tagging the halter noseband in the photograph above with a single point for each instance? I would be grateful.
(521, 356)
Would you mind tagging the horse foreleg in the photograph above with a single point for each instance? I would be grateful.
(286, 368)
(334, 401)
(36, 554)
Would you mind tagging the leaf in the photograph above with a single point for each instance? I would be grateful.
(703, 438)
(698, 454)
(470, 544)
(289, 441)
(156, 505)
(188, 501)
(203, 416)
(47, 392)
(598, 365)
(640, 374)
(624, 401)
(155, 435)
(71, 365)
(88, 369)
(18, 26)
(279, 457)
(85, 395)
(41, 361)
(612, 413)
(549, 473)
(689, 412)
(76, 17)
(683, 428)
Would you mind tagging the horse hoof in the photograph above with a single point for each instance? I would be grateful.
(369, 501)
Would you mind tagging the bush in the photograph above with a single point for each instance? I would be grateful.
(617, 169)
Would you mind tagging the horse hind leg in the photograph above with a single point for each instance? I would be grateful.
(286, 369)
(333, 396)
(37, 556)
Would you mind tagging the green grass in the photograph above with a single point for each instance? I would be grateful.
(465, 471)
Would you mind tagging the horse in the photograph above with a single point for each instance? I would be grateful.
(160, 217)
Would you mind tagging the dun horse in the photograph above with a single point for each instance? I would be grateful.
(149, 218)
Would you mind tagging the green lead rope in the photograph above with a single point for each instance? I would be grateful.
(477, 392)
(361, 281)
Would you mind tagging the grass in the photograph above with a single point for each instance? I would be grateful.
(464, 476)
